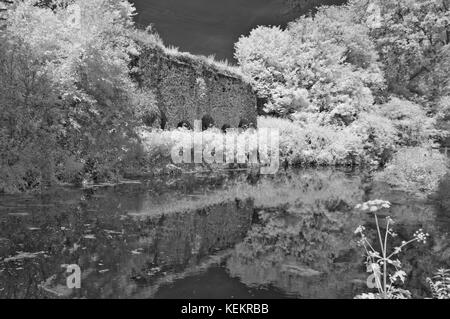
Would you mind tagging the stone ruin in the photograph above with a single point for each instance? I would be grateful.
(190, 88)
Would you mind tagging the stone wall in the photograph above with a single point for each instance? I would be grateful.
(191, 88)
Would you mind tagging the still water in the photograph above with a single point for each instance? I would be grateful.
(287, 236)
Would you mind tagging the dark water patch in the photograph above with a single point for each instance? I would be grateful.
(215, 283)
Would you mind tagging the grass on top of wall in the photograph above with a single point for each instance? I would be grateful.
(224, 67)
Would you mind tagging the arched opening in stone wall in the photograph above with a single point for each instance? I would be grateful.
(185, 125)
(163, 120)
(243, 123)
(225, 127)
(261, 104)
(246, 124)
(207, 122)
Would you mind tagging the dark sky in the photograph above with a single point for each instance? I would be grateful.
(213, 26)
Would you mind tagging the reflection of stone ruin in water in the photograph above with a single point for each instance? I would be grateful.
(178, 245)
(125, 256)
(136, 241)
(176, 240)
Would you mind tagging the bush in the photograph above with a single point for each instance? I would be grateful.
(417, 169)
(378, 136)
(411, 121)
(369, 140)
(443, 119)
(306, 144)
(66, 92)
(160, 146)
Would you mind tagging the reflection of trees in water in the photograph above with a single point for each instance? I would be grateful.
(442, 203)
(338, 190)
(305, 252)
(305, 248)
(117, 254)
(308, 250)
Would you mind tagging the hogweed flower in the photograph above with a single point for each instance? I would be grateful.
(380, 263)
(420, 236)
(360, 229)
(374, 205)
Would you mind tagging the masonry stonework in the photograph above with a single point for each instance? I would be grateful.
(188, 89)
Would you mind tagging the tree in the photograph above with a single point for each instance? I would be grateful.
(413, 40)
(66, 87)
(324, 65)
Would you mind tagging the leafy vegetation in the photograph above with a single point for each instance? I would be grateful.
(349, 85)
(68, 105)
(325, 66)
(440, 284)
(416, 169)
(379, 262)
(340, 61)
(357, 83)
(370, 140)
(413, 41)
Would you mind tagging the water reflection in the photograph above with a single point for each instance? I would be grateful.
(294, 238)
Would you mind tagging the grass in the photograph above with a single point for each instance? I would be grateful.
(224, 67)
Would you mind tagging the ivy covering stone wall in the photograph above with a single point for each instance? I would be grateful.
(189, 88)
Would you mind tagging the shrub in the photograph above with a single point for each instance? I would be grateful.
(443, 119)
(411, 121)
(417, 169)
(66, 92)
(160, 146)
(305, 144)
(378, 136)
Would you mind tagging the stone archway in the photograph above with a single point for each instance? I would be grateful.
(225, 127)
(207, 122)
(163, 120)
(184, 124)
(244, 124)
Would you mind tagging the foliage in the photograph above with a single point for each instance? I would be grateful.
(161, 147)
(369, 140)
(66, 92)
(379, 262)
(261, 56)
(443, 116)
(331, 68)
(413, 125)
(413, 40)
(323, 65)
(440, 284)
(377, 135)
(416, 169)
(299, 144)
